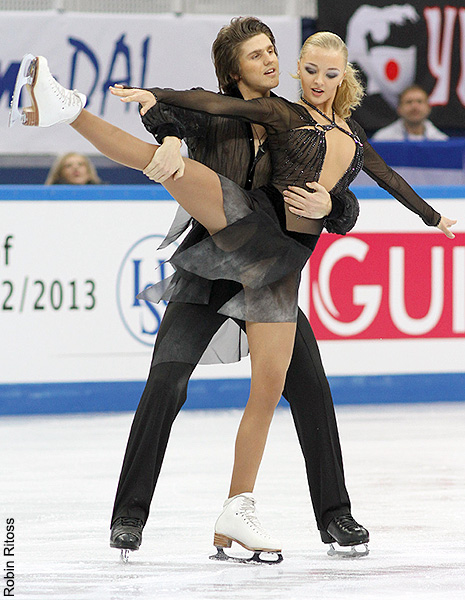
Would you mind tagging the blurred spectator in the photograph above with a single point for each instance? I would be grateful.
(72, 169)
(413, 110)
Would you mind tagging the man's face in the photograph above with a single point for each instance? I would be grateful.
(414, 107)
(258, 65)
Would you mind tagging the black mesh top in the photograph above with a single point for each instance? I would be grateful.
(297, 144)
(226, 145)
(221, 143)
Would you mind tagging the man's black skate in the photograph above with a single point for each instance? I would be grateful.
(126, 534)
(346, 532)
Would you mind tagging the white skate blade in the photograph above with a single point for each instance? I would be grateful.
(124, 556)
(24, 78)
(255, 559)
(349, 552)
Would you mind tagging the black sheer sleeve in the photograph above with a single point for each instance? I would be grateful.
(344, 213)
(166, 130)
(164, 120)
(273, 113)
(392, 182)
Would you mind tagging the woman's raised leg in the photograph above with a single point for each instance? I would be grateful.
(113, 142)
(198, 191)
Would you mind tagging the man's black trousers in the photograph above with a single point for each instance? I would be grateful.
(306, 390)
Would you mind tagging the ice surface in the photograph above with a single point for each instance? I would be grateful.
(405, 472)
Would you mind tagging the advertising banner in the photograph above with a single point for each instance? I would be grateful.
(387, 299)
(73, 260)
(394, 286)
(398, 44)
(89, 52)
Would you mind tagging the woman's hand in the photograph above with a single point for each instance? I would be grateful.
(444, 225)
(143, 97)
(166, 162)
(314, 204)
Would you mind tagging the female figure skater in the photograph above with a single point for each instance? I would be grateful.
(254, 238)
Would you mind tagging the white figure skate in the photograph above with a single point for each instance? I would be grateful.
(239, 523)
(51, 102)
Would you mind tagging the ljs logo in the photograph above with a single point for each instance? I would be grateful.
(142, 266)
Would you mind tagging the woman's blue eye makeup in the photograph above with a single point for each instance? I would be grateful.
(330, 75)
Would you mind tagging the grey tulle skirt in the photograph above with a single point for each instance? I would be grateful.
(254, 250)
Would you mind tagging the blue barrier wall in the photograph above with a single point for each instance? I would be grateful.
(111, 396)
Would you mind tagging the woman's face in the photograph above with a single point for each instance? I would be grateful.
(320, 71)
(74, 170)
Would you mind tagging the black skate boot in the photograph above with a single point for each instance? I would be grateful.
(126, 534)
(346, 532)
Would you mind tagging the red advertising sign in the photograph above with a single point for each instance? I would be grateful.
(388, 286)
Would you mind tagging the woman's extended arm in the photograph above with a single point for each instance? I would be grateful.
(162, 120)
(396, 185)
(264, 111)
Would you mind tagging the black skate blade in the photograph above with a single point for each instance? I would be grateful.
(255, 559)
(353, 552)
(124, 552)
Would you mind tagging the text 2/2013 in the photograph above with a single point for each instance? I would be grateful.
(37, 294)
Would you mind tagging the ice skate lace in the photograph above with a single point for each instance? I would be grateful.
(66, 96)
(130, 522)
(247, 511)
(347, 522)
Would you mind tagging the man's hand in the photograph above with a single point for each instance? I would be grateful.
(166, 162)
(444, 225)
(314, 203)
(143, 97)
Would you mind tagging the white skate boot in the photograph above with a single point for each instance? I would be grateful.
(239, 523)
(51, 102)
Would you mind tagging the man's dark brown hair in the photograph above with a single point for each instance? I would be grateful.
(226, 48)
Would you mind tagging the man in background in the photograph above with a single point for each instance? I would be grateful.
(413, 124)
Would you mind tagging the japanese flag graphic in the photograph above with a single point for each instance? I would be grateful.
(389, 69)
(393, 71)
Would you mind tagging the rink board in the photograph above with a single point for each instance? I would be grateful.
(387, 302)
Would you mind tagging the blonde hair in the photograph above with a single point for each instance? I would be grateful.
(55, 175)
(350, 93)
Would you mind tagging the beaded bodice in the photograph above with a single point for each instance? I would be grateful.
(298, 156)
(304, 156)
(298, 143)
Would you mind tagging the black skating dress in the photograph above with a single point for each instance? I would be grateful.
(264, 247)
